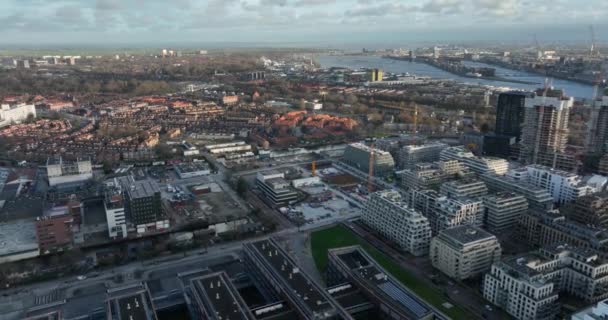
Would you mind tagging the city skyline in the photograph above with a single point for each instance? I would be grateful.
(274, 22)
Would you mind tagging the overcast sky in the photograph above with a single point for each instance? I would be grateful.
(292, 21)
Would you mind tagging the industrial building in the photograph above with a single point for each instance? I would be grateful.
(464, 252)
(277, 191)
(353, 266)
(17, 113)
(469, 187)
(411, 155)
(389, 215)
(192, 169)
(538, 198)
(527, 286)
(358, 155)
(479, 165)
(503, 210)
(54, 231)
(67, 174)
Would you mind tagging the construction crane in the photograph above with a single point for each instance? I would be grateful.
(370, 173)
(415, 123)
(313, 168)
(538, 49)
(592, 48)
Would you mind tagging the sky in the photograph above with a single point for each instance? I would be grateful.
(321, 22)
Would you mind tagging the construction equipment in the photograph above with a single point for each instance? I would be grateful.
(370, 173)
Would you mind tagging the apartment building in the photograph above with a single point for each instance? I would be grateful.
(470, 187)
(503, 210)
(411, 155)
(358, 155)
(479, 165)
(16, 113)
(390, 216)
(591, 210)
(538, 198)
(431, 175)
(452, 212)
(464, 252)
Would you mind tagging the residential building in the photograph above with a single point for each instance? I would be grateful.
(143, 204)
(464, 252)
(474, 141)
(358, 155)
(54, 231)
(353, 267)
(596, 140)
(527, 286)
(503, 210)
(545, 129)
(538, 198)
(66, 174)
(565, 187)
(510, 112)
(431, 175)
(469, 187)
(598, 311)
(114, 206)
(591, 210)
(448, 213)
(423, 200)
(603, 165)
(479, 165)
(16, 113)
(277, 191)
(411, 155)
(389, 215)
(375, 75)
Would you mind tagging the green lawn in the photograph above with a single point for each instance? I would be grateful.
(340, 236)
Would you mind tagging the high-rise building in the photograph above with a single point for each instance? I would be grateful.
(510, 111)
(596, 139)
(375, 75)
(143, 204)
(479, 165)
(463, 252)
(389, 215)
(527, 286)
(545, 130)
(503, 210)
(54, 230)
(591, 210)
(411, 155)
(469, 187)
(358, 156)
(114, 206)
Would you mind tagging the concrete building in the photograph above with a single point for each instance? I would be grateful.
(358, 155)
(591, 210)
(66, 174)
(16, 113)
(114, 206)
(216, 298)
(527, 286)
(598, 311)
(503, 210)
(274, 272)
(538, 198)
(54, 231)
(131, 302)
(411, 155)
(143, 204)
(189, 170)
(18, 241)
(470, 187)
(596, 140)
(510, 113)
(479, 165)
(277, 191)
(564, 187)
(353, 266)
(448, 213)
(431, 175)
(464, 252)
(375, 75)
(389, 215)
(545, 129)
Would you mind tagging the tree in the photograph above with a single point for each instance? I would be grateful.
(302, 104)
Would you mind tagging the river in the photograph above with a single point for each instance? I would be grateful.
(572, 88)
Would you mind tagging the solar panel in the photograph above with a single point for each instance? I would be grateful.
(402, 297)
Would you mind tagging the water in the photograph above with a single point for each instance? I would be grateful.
(572, 88)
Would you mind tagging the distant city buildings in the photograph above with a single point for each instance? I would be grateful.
(65, 174)
(411, 155)
(464, 252)
(390, 216)
(16, 113)
(375, 75)
(596, 139)
(510, 113)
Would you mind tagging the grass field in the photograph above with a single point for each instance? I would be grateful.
(340, 236)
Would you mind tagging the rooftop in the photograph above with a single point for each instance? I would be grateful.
(139, 188)
(17, 236)
(221, 297)
(466, 234)
(130, 303)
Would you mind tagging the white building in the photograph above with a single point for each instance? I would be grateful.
(15, 113)
(463, 252)
(596, 312)
(66, 173)
(448, 213)
(479, 165)
(564, 187)
(469, 187)
(115, 210)
(527, 286)
(503, 210)
(386, 213)
(411, 155)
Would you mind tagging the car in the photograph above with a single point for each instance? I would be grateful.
(81, 278)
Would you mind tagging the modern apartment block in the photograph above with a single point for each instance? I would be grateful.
(277, 191)
(114, 205)
(411, 155)
(538, 198)
(591, 210)
(452, 212)
(431, 175)
(545, 130)
(596, 140)
(464, 252)
(16, 113)
(390, 216)
(470, 187)
(503, 210)
(527, 286)
(564, 187)
(479, 165)
(63, 173)
(510, 112)
(143, 204)
(358, 155)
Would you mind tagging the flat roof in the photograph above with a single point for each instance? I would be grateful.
(17, 236)
(221, 299)
(466, 234)
(139, 188)
(131, 303)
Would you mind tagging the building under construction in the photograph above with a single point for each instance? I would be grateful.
(597, 137)
(545, 130)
